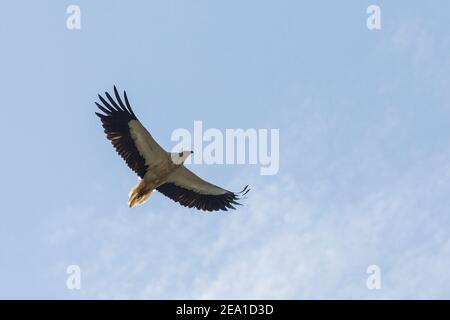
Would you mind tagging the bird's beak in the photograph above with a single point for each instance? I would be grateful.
(192, 152)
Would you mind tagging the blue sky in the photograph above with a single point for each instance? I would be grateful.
(364, 149)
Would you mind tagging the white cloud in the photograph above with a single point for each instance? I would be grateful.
(278, 246)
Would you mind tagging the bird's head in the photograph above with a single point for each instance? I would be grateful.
(179, 157)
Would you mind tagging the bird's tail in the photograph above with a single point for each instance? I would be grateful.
(139, 194)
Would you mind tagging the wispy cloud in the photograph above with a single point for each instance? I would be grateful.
(282, 244)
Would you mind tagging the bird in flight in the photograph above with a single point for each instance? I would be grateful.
(157, 168)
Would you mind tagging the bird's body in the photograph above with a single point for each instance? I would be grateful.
(158, 169)
(141, 192)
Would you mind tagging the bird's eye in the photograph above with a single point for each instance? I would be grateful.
(180, 154)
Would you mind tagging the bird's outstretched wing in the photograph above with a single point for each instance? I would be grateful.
(128, 136)
(189, 190)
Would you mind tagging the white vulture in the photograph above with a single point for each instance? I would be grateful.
(158, 169)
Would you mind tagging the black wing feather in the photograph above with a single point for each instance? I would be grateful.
(115, 122)
(205, 202)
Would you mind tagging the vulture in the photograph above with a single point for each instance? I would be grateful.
(158, 169)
